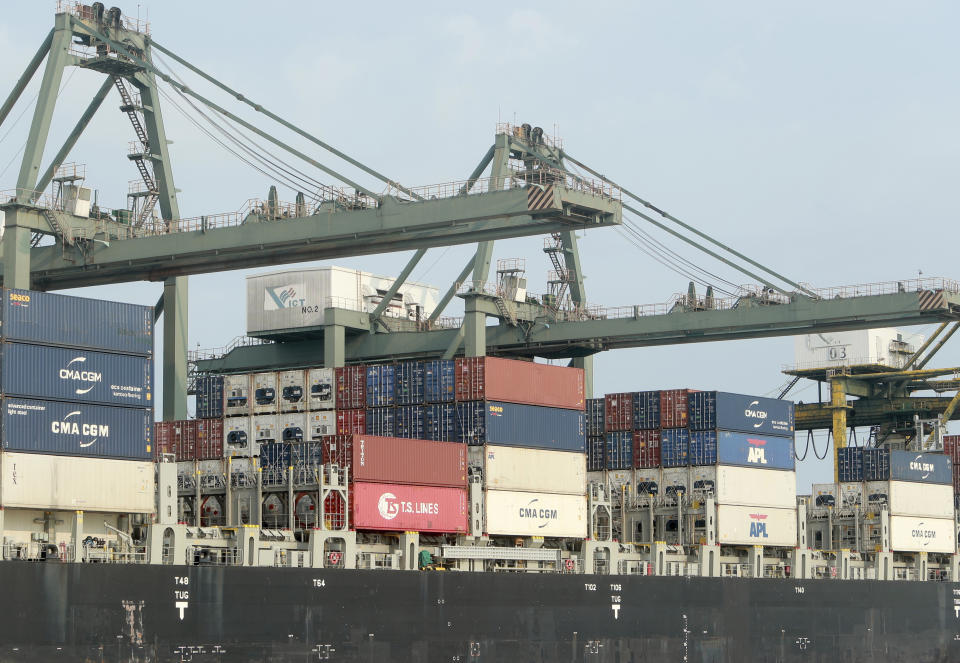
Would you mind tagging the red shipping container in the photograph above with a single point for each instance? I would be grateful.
(351, 422)
(951, 449)
(408, 461)
(673, 408)
(399, 508)
(164, 439)
(209, 439)
(351, 387)
(338, 450)
(512, 381)
(618, 412)
(186, 439)
(646, 448)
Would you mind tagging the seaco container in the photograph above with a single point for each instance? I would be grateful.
(405, 508)
(673, 408)
(518, 513)
(619, 454)
(596, 453)
(351, 387)
(674, 447)
(380, 384)
(440, 422)
(595, 409)
(618, 412)
(709, 410)
(83, 376)
(646, 449)
(646, 410)
(515, 425)
(512, 381)
(439, 381)
(402, 461)
(408, 383)
(210, 397)
(76, 322)
(534, 470)
(380, 421)
(73, 429)
(408, 422)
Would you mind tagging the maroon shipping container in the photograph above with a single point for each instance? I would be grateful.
(176, 437)
(673, 408)
(337, 450)
(351, 422)
(408, 461)
(164, 440)
(351, 387)
(618, 412)
(646, 448)
(209, 439)
(951, 449)
(512, 381)
(400, 508)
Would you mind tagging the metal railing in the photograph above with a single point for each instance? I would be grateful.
(85, 13)
(517, 131)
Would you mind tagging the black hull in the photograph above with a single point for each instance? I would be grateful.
(112, 613)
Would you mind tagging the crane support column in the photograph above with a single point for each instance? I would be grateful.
(175, 302)
(334, 340)
(838, 403)
(578, 293)
(475, 329)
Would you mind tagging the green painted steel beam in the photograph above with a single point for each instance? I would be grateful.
(25, 77)
(397, 284)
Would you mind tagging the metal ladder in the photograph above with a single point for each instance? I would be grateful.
(56, 226)
(559, 284)
(507, 311)
(130, 108)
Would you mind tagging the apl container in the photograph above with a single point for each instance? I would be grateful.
(674, 447)
(351, 422)
(673, 408)
(525, 382)
(439, 380)
(321, 389)
(210, 397)
(516, 513)
(404, 508)
(380, 383)
(596, 453)
(292, 390)
(380, 421)
(646, 449)
(517, 425)
(76, 322)
(74, 429)
(711, 410)
(209, 439)
(619, 454)
(619, 410)
(755, 525)
(646, 410)
(396, 460)
(440, 422)
(408, 383)
(595, 412)
(751, 450)
(533, 470)
(408, 422)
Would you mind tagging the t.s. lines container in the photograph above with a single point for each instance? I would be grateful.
(402, 508)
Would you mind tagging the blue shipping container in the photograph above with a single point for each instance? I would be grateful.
(515, 425)
(439, 381)
(646, 410)
(75, 429)
(275, 455)
(703, 447)
(596, 453)
(876, 464)
(409, 422)
(920, 467)
(76, 322)
(751, 450)
(306, 455)
(619, 451)
(440, 422)
(595, 412)
(210, 397)
(380, 382)
(674, 447)
(850, 464)
(381, 421)
(408, 383)
(710, 410)
(83, 376)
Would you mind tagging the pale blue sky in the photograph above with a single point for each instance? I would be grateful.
(818, 138)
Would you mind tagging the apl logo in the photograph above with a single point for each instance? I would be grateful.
(750, 413)
(283, 296)
(387, 506)
(758, 528)
(756, 454)
(70, 426)
(76, 372)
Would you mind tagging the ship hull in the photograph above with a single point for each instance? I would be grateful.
(91, 612)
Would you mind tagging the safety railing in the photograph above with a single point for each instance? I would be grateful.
(216, 353)
(519, 132)
(85, 12)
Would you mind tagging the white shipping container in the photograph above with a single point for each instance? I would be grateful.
(756, 525)
(236, 390)
(886, 347)
(265, 428)
(913, 534)
(617, 478)
(292, 390)
(534, 470)
(294, 300)
(321, 424)
(749, 486)
(517, 513)
(238, 437)
(676, 476)
(920, 499)
(851, 493)
(70, 483)
(649, 475)
(321, 389)
(264, 393)
(292, 427)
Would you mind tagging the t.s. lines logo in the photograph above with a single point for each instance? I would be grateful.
(387, 506)
(280, 297)
(752, 412)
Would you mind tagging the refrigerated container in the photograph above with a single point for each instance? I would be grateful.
(405, 508)
(408, 386)
(673, 408)
(517, 425)
(439, 381)
(915, 534)
(907, 498)
(825, 495)
(646, 410)
(756, 525)
(595, 416)
(238, 437)
(397, 460)
(237, 400)
(380, 384)
(265, 428)
(292, 427)
(351, 387)
(515, 513)
(676, 480)
(209, 397)
(674, 447)
(351, 422)
(440, 422)
(534, 470)
(321, 424)
(264, 388)
(524, 382)
(850, 493)
(408, 422)
(747, 486)
(618, 412)
(709, 410)
(619, 453)
(380, 421)
(321, 389)
(646, 448)
(292, 388)
(647, 481)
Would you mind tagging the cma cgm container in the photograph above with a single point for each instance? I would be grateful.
(321, 389)
(913, 534)
(408, 383)
(619, 455)
(73, 429)
(291, 387)
(512, 381)
(48, 319)
(439, 381)
(646, 448)
(380, 384)
(351, 387)
(408, 422)
(380, 421)
(618, 412)
(673, 408)
(674, 447)
(210, 397)
(746, 449)
(709, 410)
(440, 422)
(595, 408)
(646, 410)
(920, 467)
(405, 508)
(516, 513)
(515, 425)
(534, 470)
(397, 460)
(596, 453)
(84, 376)
(756, 525)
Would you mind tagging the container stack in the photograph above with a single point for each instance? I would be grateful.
(951, 449)
(77, 389)
(596, 440)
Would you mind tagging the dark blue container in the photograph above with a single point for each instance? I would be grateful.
(850, 464)
(75, 429)
(674, 447)
(306, 455)
(515, 425)
(646, 410)
(720, 410)
(703, 447)
(275, 455)
(380, 383)
(409, 422)
(439, 381)
(210, 397)
(619, 452)
(76, 322)
(595, 412)
(408, 383)
(596, 453)
(770, 452)
(920, 467)
(876, 464)
(440, 422)
(381, 421)
(82, 376)
(290, 433)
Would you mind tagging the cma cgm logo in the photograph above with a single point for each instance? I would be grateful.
(74, 371)
(758, 526)
(284, 296)
(71, 426)
(390, 507)
(756, 454)
(751, 413)
(917, 465)
(534, 511)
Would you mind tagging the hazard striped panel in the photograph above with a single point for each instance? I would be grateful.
(932, 299)
(540, 198)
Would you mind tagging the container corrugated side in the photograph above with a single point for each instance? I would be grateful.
(756, 525)
(408, 383)
(77, 322)
(402, 508)
(913, 534)
(39, 481)
(440, 422)
(747, 486)
(619, 453)
(82, 376)
(351, 422)
(210, 397)
(516, 513)
(595, 416)
(164, 439)
(534, 470)
(907, 498)
(646, 410)
(73, 429)
(408, 422)
(516, 425)
(674, 447)
(321, 389)
(380, 384)
(405, 461)
(209, 439)
(850, 464)
(618, 412)
(920, 467)
(292, 390)
(351, 387)
(710, 410)
(513, 381)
